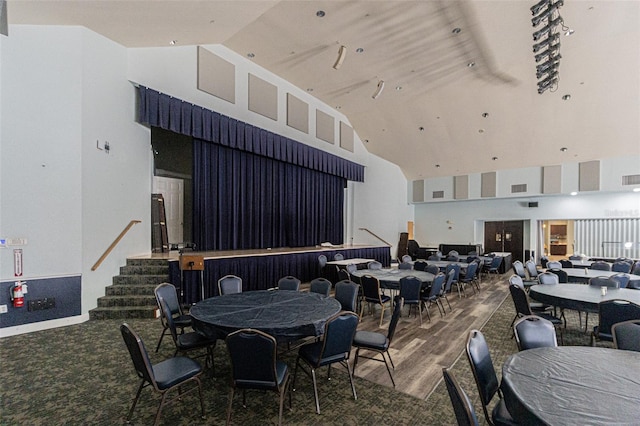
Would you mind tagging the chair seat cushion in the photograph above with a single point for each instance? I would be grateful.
(383, 297)
(554, 320)
(371, 340)
(175, 370)
(182, 320)
(311, 354)
(194, 340)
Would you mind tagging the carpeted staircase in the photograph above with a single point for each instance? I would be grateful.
(131, 294)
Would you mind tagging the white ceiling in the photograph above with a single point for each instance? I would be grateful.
(410, 45)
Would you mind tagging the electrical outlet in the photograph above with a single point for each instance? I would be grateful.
(3, 309)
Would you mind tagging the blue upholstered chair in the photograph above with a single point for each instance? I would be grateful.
(347, 294)
(229, 284)
(169, 294)
(289, 283)
(626, 335)
(621, 266)
(410, 288)
(434, 295)
(612, 312)
(531, 331)
(372, 295)
(601, 266)
(321, 286)
(462, 405)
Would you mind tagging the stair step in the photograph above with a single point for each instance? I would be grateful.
(144, 270)
(124, 301)
(133, 290)
(147, 262)
(140, 279)
(119, 312)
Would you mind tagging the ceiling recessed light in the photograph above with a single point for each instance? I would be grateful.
(421, 128)
(320, 14)
(485, 114)
(359, 50)
(480, 130)
(366, 141)
(398, 88)
(437, 166)
(251, 55)
(173, 42)
(471, 64)
(310, 89)
(494, 158)
(456, 30)
(563, 149)
(574, 193)
(566, 97)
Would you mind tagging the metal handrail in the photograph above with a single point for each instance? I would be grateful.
(114, 244)
(367, 230)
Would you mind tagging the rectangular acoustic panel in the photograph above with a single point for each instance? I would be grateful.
(552, 179)
(263, 97)
(4, 28)
(488, 184)
(297, 113)
(346, 137)
(589, 176)
(325, 127)
(418, 191)
(461, 187)
(216, 76)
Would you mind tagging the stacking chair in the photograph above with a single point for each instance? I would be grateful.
(334, 347)
(169, 294)
(620, 266)
(434, 295)
(462, 405)
(229, 284)
(344, 275)
(493, 267)
(406, 259)
(611, 312)
(518, 269)
(378, 342)
(453, 256)
(456, 278)
(531, 331)
(419, 265)
(622, 279)
(347, 294)
(372, 296)
(254, 365)
(322, 263)
(405, 266)
(321, 286)
(289, 283)
(566, 263)
(446, 288)
(601, 266)
(535, 306)
(163, 377)
(548, 278)
(410, 288)
(635, 270)
(375, 265)
(338, 256)
(484, 374)
(432, 269)
(575, 257)
(469, 278)
(554, 265)
(626, 335)
(604, 282)
(563, 277)
(191, 341)
(532, 270)
(521, 304)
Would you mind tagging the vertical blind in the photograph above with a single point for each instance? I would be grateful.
(610, 238)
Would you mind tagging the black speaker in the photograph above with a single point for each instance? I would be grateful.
(533, 204)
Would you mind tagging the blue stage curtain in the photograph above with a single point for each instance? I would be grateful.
(246, 201)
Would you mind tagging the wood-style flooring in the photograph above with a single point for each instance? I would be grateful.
(419, 352)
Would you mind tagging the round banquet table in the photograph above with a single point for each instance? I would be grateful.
(285, 314)
(585, 274)
(573, 385)
(580, 297)
(390, 278)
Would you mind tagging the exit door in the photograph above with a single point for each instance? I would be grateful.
(505, 236)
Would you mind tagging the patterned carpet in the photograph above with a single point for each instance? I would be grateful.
(82, 375)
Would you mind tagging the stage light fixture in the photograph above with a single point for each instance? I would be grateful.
(552, 7)
(378, 89)
(547, 42)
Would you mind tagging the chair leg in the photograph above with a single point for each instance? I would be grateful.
(353, 387)
(282, 392)
(231, 393)
(135, 401)
(315, 389)
(201, 398)
(162, 401)
(388, 369)
(381, 313)
(447, 299)
(164, 331)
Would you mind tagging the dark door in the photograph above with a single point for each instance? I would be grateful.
(505, 236)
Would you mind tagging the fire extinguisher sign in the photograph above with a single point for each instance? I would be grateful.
(17, 262)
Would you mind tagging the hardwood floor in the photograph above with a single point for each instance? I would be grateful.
(419, 352)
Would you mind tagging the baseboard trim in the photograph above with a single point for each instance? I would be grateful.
(42, 325)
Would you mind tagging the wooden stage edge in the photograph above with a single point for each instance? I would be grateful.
(173, 256)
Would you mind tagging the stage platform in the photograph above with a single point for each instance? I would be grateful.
(259, 269)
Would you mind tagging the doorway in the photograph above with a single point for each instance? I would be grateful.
(172, 190)
(505, 236)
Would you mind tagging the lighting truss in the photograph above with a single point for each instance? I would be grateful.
(547, 42)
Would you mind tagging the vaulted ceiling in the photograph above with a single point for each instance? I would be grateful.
(460, 89)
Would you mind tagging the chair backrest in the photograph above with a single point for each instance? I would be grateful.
(623, 280)
(229, 284)
(453, 253)
(170, 295)
(322, 261)
(453, 258)
(471, 271)
(352, 267)
(289, 283)
(433, 257)
(626, 335)
(548, 278)
(575, 257)
(138, 353)
(520, 301)
(320, 286)
(495, 262)
(625, 259)
(563, 277)
(370, 287)
(446, 288)
(405, 266)
(419, 265)
(168, 320)
(347, 294)
(615, 311)
(621, 267)
(516, 280)
(338, 256)
(406, 258)
(375, 265)
(518, 269)
(436, 285)
(410, 287)
(636, 268)
(344, 275)
(532, 331)
(604, 282)
(544, 261)
(456, 268)
(462, 405)
(253, 359)
(433, 269)
(338, 338)
(554, 264)
(530, 266)
(395, 316)
(482, 368)
(601, 266)
(566, 263)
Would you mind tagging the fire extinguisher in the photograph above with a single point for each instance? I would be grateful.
(17, 295)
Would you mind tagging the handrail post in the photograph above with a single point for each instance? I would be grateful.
(114, 244)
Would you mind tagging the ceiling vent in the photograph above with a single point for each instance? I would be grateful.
(631, 180)
(438, 194)
(522, 187)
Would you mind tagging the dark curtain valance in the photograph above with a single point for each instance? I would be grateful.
(169, 113)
